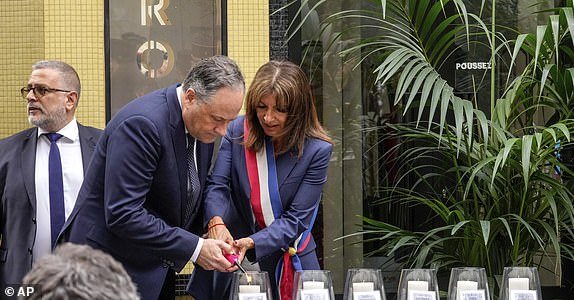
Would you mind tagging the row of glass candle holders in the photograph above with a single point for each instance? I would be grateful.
(518, 283)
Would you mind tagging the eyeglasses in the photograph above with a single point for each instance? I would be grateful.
(39, 91)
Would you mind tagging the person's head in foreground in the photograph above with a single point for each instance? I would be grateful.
(78, 272)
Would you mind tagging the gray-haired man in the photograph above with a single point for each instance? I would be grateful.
(141, 196)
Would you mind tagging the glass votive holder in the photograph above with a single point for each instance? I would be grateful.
(364, 284)
(468, 284)
(250, 286)
(520, 283)
(418, 284)
(313, 284)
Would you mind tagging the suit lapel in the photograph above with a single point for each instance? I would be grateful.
(28, 161)
(285, 164)
(204, 153)
(87, 146)
(179, 143)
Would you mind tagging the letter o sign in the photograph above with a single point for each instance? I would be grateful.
(155, 48)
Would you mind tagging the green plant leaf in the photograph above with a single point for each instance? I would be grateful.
(485, 226)
(502, 156)
(545, 72)
(457, 226)
(540, 33)
(526, 148)
(517, 47)
(555, 27)
(567, 11)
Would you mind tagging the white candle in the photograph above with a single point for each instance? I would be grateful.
(464, 285)
(313, 285)
(246, 289)
(415, 285)
(363, 287)
(518, 284)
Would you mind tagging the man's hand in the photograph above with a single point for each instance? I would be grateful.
(211, 256)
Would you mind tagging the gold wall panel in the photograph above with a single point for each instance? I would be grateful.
(74, 33)
(21, 44)
(248, 34)
(32, 30)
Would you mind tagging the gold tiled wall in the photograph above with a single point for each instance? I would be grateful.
(21, 44)
(74, 32)
(248, 34)
(68, 30)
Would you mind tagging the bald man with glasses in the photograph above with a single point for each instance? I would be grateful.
(41, 169)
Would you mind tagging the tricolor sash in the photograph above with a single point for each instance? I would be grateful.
(262, 173)
(266, 205)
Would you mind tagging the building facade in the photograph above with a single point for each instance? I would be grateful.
(157, 40)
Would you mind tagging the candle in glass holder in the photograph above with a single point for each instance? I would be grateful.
(363, 287)
(416, 285)
(465, 285)
(518, 284)
(246, 289)
(313, 285)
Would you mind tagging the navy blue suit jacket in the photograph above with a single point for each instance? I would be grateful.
(132, 201)
(300, 181)
(18, 198)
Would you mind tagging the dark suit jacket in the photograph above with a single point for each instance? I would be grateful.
(132, 201)
(18, 198)
(227, 194)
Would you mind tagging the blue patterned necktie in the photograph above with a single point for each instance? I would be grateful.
(57, 216)
(193, 184)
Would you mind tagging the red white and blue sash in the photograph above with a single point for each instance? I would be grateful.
(262, 172)
(266, 206)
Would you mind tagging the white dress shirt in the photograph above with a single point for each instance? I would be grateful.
(195, 254)
(73, 175)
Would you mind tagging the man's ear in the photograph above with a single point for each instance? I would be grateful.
(190, 96)
(72, 100)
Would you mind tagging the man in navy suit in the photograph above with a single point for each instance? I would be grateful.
(52, 95)
(134, 201)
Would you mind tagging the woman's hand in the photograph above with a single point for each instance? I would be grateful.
(216, 229)
(242, 245)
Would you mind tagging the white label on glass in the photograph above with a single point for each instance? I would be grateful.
(373, 295)
(422, 295)
(465, 285)
(252, 296)
(313, 285)
(523, 295)
(363, 286)
(472, 295)
(251, 288)
(317, 294)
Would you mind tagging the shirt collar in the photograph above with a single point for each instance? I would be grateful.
(178, 92)
(70, 131)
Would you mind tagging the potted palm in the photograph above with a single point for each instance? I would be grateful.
(491, 175)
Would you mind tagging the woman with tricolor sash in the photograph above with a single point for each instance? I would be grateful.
(264, 191)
